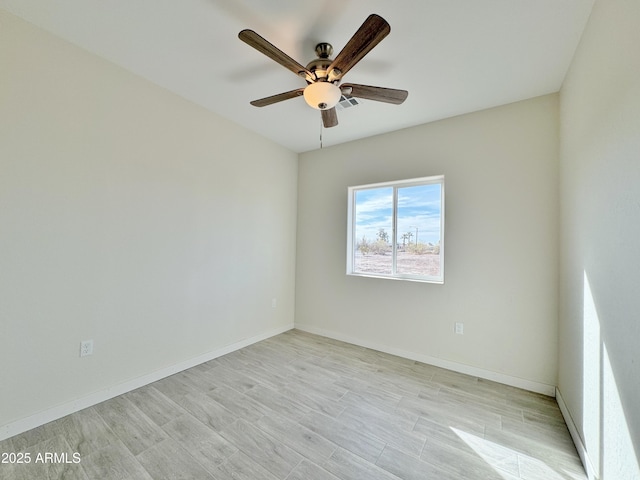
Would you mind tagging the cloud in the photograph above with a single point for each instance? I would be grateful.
(374, 200)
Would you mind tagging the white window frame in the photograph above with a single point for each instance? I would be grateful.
(351, 229)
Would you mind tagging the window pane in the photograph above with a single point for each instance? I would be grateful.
(418, 238)
(373, 231)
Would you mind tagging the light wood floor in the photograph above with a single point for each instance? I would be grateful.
(303, 407)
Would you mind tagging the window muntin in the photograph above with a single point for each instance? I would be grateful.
(396, 230)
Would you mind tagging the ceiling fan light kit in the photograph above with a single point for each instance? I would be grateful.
(322, 95)
(323, 75)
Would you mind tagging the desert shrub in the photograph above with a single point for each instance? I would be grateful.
(420, 248)
(380, 247)
(364, 246)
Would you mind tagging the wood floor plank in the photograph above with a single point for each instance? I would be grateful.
(535, 468)
(537, 449)
(383, 427)
(241, 467)
(436, 410)
(177, 386)
(131, 426)
(447, 431)
(225, 376)
(357, 442)
(304, 368)
(352, 467)
(297, 437)
(408, 467)
(22, 442)
(168, 460)
(114, 462)
(278, 402)
(155, 405)
(470, 456)
(85, 431)
(206, 446)
(373, 397)
(323, 387)
(207, 410)
(239, 404)
(310, 471)
(311, 399)
(270, 453)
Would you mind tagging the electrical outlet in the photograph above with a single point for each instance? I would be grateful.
(86, 348)
(459, 328)
(274, 303)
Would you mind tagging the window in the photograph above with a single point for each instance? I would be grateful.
(396, 230)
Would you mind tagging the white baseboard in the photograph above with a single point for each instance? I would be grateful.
(59, 411)
(532, 386)
(577, 439)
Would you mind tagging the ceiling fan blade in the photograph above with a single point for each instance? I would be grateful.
(263, 102)
(329, 117)
(370, 33)
(254, 40)
(379, 94)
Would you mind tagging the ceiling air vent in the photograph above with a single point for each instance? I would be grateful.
(347, 102)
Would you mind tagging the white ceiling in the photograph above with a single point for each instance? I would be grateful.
(453, 56)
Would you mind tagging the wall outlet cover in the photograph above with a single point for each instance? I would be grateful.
(86, 348)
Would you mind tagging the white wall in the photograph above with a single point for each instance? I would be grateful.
(501, 239)
(131, 217)
(599, 362)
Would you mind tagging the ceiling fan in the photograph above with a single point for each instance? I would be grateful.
(323, 75)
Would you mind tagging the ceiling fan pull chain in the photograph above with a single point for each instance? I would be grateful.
(321, 132)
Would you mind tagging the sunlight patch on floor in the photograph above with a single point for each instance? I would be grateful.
(510, 463)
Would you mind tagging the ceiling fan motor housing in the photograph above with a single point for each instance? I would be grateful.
(320, 66)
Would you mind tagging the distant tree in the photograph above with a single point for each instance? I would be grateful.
(383, 235)
(405, 237)
(409, 235)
